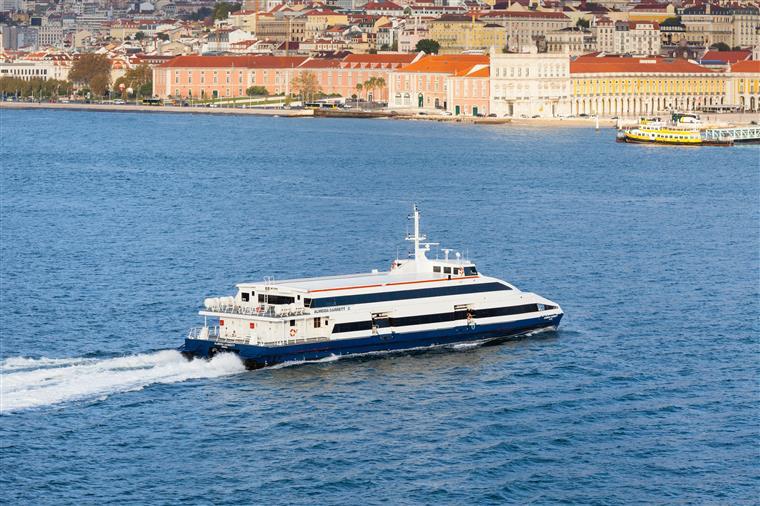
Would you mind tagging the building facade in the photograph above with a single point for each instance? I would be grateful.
(457, 32)
(640, 38)
(530, 84)
(230, 76)
(617, 86)
(526, 28)
(745, 85)
(454, 83)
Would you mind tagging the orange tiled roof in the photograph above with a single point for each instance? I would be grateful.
(446, 64)
(381, 58)
(316, 63)
(727, 56)
(525, 14)
(484, 72)
(746, 66)
(616, 64)
(263, 61)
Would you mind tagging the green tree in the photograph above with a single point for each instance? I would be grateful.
(140, 79)
(721, 46)
(139, 35)
(582, 23)
(379, 83)
(200, 14)
(163, 36)
(671, 21)
(222, 9)
(37, 87)
(429, 46)
(255, 91)
(93, 71)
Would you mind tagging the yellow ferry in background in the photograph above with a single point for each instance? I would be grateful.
(684, 129)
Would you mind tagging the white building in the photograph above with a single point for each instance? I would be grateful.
(38, 66)
(50, 35)
(530, 84)
(638, 38)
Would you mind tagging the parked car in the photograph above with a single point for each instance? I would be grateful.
(119, 101)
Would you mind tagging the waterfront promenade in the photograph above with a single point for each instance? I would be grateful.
(157, 109)
(736, 119)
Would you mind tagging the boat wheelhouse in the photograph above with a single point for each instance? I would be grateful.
(418, 302)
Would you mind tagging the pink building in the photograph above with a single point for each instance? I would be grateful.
(230, 76)
(456, 83)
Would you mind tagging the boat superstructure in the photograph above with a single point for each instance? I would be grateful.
(418, 302)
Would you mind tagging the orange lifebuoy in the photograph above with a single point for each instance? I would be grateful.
(293, 332)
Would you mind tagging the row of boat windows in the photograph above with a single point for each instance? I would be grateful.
(379, 297)
(268, 299)
(346, 300)
(440, 317)
(467, 271)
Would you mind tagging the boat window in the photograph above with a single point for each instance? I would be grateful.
(317, 322)
(352, 327)
(470, 271)
(244, 296)
(436, 268)
(408, 294)
(441, 317)
(276, 299)
(306, 302)
(292, 323)
(447, 270)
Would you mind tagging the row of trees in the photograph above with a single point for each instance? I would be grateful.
(306, 86)
(370, 85)
(93, 72)
(37, 87)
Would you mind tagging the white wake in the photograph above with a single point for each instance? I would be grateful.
(28, 383)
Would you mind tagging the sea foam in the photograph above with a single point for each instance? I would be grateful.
(29, 383)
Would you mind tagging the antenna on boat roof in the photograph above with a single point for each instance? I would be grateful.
(419, 253)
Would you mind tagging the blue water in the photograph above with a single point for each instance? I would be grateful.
(116, 226)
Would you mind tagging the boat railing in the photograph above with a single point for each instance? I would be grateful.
(268, 311)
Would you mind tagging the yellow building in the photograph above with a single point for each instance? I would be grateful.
(617, 86)
(120, 30)
(745, 85)
(245, 20)
(318, 20)
(457, 32)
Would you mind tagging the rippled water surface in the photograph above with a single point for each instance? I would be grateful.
(115, 226)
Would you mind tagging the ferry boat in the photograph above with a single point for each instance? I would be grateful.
(420, 302)
(684, 129)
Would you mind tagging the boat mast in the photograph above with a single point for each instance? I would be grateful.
(419, 253)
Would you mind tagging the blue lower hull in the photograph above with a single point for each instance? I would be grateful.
(261, 356)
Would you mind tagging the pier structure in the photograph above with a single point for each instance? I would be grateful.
(732, 134)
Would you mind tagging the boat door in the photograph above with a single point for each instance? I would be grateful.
(381, 325)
